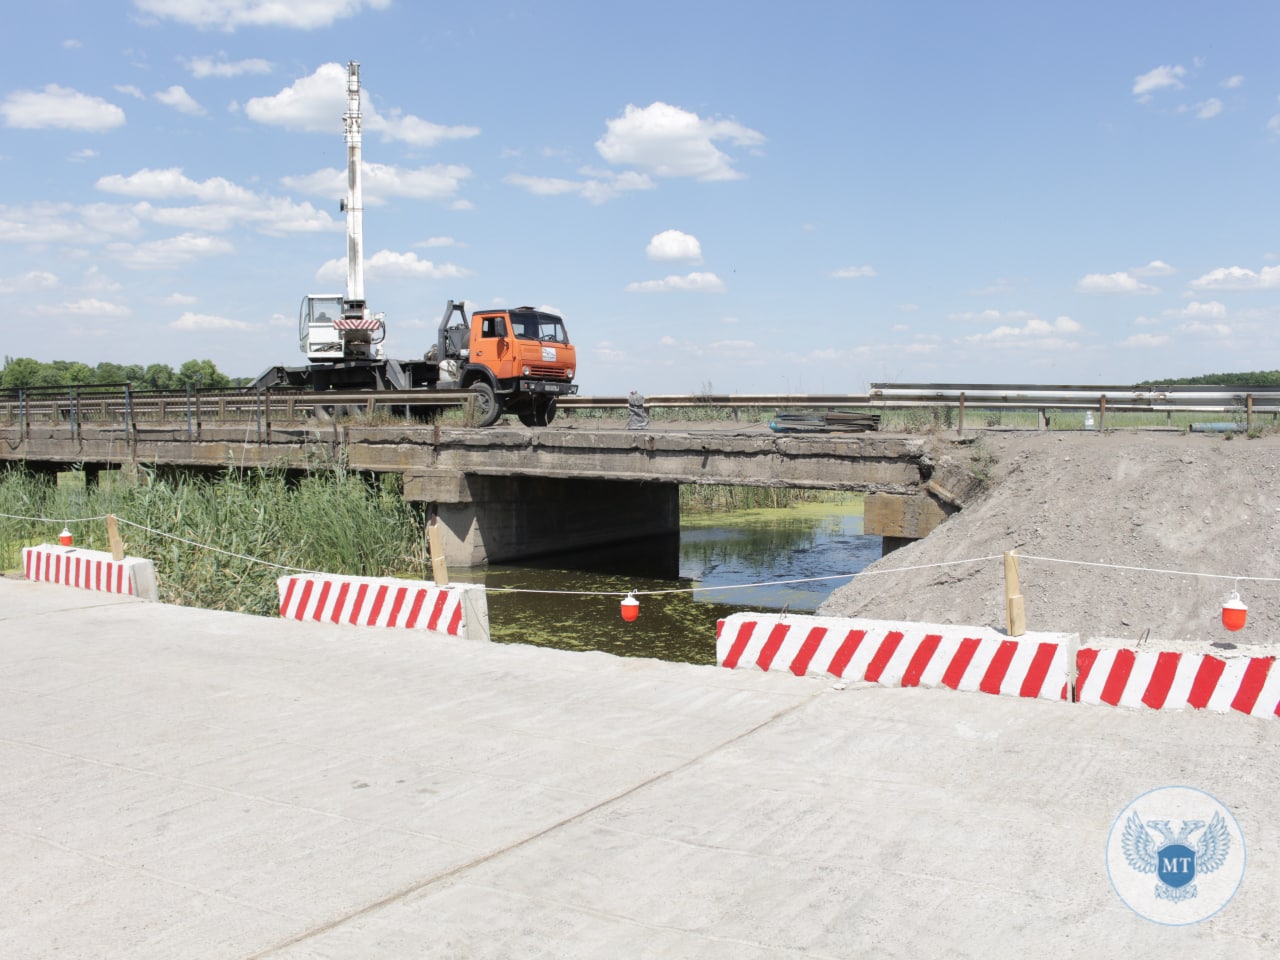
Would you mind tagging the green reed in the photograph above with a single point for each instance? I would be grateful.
(221, 542)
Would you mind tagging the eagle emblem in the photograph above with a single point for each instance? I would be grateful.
(1176, 860)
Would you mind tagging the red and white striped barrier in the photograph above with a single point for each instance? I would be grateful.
(91, 570)
(458, 609)
(1176, 680)
(900, 654)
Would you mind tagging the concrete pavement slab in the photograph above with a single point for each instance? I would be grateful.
(181, 783)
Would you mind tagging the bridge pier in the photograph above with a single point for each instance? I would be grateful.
(492, 519)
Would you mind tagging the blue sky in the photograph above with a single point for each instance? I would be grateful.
(736, 196)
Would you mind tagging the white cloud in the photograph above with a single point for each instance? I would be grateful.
(698, 282)
(60, 107)
(206, 321)
(849, 272)
(1213, 310)
(595, 189)
(1238, 278)
(413, 130)
(439, 242)
(380, 181)
(666, 141)
(223, 204)
(27, 282)
(1158, 79)
(179, 300)
(1234, 81)
(991, 316)
(1000, 286)
(168, 253)
(736, 347)
(1144, 340)
(45, 222)
(1156, 268)
(1197, 328)
(313, 103)
(86, 308)
(387, 264)
(316, 103)
(94, 279)
(80, 156)
(1205, 109)
(171, 183)
(129, 90)
(1032, 329)
(1121, 282)
(71, 44)
(178, 98)
(674, 245)
(227, 15)
(202, 67)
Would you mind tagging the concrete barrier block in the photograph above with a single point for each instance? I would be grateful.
(1243, 681)
(900, 654)
(91, 570)
(460, 610)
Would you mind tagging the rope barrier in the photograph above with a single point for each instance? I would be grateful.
(203, 546)
(690, 590)
(1175, 573)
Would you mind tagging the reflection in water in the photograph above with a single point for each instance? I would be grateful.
(727, 563)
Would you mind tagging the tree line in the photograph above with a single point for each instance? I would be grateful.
(23, 372)
(1261, 378)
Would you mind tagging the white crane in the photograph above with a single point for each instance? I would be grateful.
(333, 328)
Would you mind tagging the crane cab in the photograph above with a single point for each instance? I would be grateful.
(329, 330)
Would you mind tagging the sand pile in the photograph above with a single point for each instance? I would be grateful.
(1203, 504)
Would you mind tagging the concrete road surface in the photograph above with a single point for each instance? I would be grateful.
(179, 784)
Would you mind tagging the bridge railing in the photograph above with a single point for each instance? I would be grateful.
(123, 406)
(126, 408)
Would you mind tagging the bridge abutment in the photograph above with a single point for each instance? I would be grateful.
(489, 519)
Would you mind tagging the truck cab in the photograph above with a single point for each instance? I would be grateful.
(525, 356)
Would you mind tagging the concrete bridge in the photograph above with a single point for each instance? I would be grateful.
(508, 493)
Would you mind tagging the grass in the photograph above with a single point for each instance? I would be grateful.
(336, 521)
(703, 498)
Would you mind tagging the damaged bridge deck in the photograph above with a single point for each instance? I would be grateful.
(615, 483)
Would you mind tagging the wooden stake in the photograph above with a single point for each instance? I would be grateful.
(435, 539)
(1015, 614)
(113, 537)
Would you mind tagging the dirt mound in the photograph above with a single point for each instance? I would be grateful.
(1170, 517)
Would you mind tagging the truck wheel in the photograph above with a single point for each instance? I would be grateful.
(544, 412)
(488, 408)
(528, 418)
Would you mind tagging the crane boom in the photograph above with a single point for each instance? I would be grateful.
(355, 197)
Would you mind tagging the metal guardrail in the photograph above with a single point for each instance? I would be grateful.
(1127, 399)
(127, 407)
(1139, 398)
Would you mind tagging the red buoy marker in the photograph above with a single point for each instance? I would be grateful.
(64, 537)
(1234, 613)
(630, 609)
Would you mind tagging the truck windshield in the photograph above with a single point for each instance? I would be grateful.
(538, 326)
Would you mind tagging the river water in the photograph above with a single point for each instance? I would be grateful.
(729, 562)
